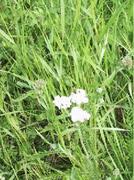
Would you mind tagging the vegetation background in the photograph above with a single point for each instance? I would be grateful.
(50, 47)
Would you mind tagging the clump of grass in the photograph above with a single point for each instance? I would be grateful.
(53, 47)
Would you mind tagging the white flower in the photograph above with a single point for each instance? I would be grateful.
(99, 90)
(116, 172)
(101, 101)
(127, 61)
(2, 177)
(81, 91)
(78, 114)
(79, 97)
(108, 178)
(39, 84)
(62, 102)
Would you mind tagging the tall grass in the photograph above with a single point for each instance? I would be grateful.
(54, 47)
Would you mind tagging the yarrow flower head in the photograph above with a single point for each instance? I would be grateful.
(2, 177)
(116, 172)
(39, 84)
(62, 102)
(99, 90)
(79, 97)
(108, 178)
(127, 62)
(79, 115)
(101, 100)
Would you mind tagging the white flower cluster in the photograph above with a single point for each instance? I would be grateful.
(78, 114)
(2, 177)
(62, 102)
(99, 90)
(78, 98)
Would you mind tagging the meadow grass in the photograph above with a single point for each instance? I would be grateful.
(50, 48)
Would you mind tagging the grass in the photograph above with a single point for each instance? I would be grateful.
(54, 47)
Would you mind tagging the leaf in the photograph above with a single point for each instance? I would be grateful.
(6, 36)
(109, 129)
